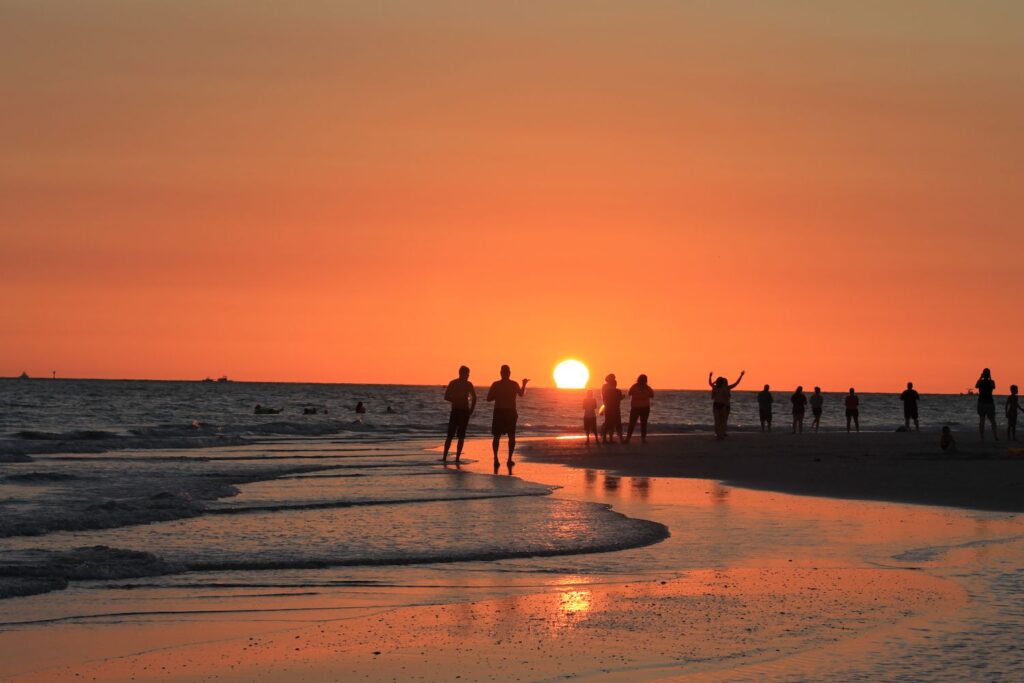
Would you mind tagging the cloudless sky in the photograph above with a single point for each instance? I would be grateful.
(821, 193)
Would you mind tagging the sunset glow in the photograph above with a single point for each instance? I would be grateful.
(571, 374)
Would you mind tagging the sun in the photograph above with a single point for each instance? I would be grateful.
(571, 374)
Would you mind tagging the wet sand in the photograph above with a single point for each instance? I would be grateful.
(898, 467)
(751, 585)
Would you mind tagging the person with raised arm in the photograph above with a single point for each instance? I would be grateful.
(461, 394)
(721, 402)
(503, 394)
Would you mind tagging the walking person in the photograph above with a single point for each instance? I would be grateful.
(461, 394)
(910, 397)
(1011, 407)
(721, 402)
(764, 407)
(852, 402)
(503, 394)
(640, 397)
(612, 397)
(986, 386)
(799, 401)
(817, 403)
(590, 417)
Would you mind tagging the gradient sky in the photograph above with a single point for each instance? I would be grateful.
(821, 193)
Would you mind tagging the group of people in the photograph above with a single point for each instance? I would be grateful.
(504, 392)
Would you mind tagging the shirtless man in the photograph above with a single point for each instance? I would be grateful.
(461, 394)
(503, 394)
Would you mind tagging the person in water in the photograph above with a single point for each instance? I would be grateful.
(986, 386)
(764, 407)
(910, 397)
(799, 401)
(461, 394)
(1011, 407)
(590, 416)
(503, 394)
(852, 402)
(389, 411)
(721, 402)
(640, 397)
(360, 408)
(946, 441)
(817, 403)
(612, 397)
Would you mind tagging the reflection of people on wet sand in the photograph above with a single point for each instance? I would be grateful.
(986, 386)
(721, 402)
(764, 407)
(910, 397)
(461, 394)
(799, 401)
(503, 394)
(852, 403)
(817, 402)
(590, 416)
(612, 397)
(640, 396)
(1011, 407)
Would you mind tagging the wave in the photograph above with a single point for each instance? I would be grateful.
(29, 572)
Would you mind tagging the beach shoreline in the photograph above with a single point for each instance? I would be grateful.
(899, 467)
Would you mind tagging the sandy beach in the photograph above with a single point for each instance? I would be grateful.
(751, 584)
(906, 467)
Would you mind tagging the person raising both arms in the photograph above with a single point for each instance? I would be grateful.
(503, 394)
(721, 402)
(640, 396)
(986, 386)
(461, 394)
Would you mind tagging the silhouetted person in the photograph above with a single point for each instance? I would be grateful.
(640, 396)
(852, 402)
(1011, 408)
(721, 402)
(309, 410)
(910, 397)
(590, 416)
(612, 397)
(799, 401)
(764, 407)
(389, 411)
(986, 387)
(461, 394)
(360, 408)
(946, 441)
(817, 404)
(504, 393)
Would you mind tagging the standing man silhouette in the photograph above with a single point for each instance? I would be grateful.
(461, 394)
(910, 397)
(612, 397)
(503, 394)
(764, 407)
(986, 386)
(852, 409)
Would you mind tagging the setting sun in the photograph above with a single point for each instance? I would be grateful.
(571, 374)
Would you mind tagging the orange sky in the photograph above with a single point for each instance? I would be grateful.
(380, 191)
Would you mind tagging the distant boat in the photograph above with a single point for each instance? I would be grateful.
(204, 381)
(223, 379)
(23, 375)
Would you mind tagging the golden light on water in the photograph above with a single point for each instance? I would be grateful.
(571, 374)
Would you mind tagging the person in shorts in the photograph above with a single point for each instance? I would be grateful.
(852, 403)
(503, 394)
(640, 396)
(910, 397)
(590, 416)
(461, 394)
(799, 401)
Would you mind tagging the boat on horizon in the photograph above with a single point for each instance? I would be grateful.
(24, 375)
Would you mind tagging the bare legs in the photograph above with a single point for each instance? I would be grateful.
(496, 443)
(981, 426)
(798, 423)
